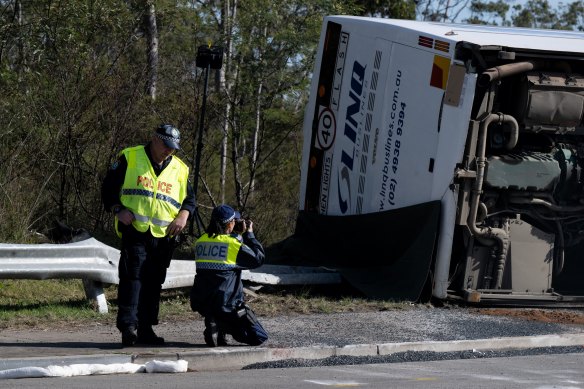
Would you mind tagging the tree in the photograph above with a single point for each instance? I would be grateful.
(69, 75)
(440, 10)
(537, 14)
(574, 15)
(494, 13)
(518, 13)
(395, 9)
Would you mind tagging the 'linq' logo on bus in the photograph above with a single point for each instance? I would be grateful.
(348, 154)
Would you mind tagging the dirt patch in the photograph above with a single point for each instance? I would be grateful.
(543, 315)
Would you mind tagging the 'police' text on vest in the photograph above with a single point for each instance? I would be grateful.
(162, 186)
(212, 250)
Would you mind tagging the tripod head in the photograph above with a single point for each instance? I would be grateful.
(209, 56)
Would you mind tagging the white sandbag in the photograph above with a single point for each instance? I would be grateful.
(24, 372)
(95, 369)
(84, 369)
(60, 371)
(116, 368)
(180, 366)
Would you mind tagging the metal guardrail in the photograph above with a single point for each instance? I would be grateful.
(97, 263)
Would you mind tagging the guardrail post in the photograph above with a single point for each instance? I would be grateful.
(94, 291)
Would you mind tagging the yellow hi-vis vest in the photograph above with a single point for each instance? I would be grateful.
(217, 253)
(154, 200)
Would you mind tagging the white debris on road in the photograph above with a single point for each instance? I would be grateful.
(84, 369)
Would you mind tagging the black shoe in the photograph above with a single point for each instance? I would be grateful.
(210, 337)
(147, 336)
(129, 336)
(214, 338)
(221, 341)
(211, 333)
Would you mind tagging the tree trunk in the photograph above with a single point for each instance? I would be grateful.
(229, 12)
(21, 53)
(223, 170)
(152, 44)
(256, 130)
(255, 141)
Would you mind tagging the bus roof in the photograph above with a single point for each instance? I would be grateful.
(515, 37)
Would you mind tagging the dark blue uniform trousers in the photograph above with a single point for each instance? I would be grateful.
(142, 269)
(244, 329)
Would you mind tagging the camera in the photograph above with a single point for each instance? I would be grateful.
(239, 226)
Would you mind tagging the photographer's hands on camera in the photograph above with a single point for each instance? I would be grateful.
(243, 225)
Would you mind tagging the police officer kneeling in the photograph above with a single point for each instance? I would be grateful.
(217, 292)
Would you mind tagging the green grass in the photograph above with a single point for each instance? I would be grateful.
(273, 301)
(36, 303)
(47, 303)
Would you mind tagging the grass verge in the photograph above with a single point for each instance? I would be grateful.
(58, 303)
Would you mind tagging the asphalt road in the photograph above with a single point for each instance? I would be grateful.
(560, 371)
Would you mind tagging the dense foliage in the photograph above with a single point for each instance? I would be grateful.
(82, 79)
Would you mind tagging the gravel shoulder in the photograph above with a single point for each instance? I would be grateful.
(419, 323)
(561, 316)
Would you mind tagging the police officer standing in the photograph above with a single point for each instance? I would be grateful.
(217, 292)
(148, 191)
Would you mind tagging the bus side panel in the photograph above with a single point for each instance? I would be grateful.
(372, 138)
(406, 141)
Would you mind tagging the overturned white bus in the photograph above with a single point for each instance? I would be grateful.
(445, 160)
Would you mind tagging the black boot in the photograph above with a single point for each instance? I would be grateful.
(211, 332)
(146, 335)
(129, 336)
(213, 335)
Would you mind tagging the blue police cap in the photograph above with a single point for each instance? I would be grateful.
(224, 214)
(170, 135)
